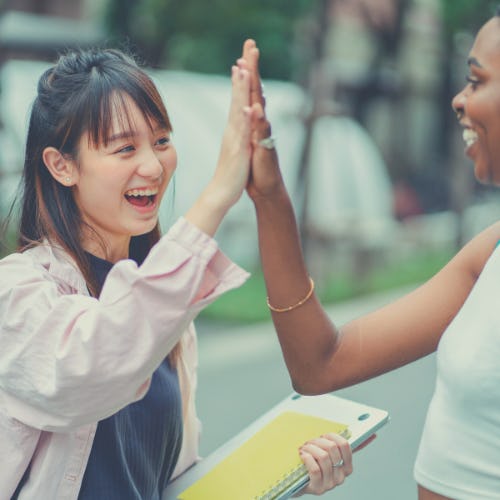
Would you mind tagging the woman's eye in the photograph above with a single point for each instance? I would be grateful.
(126, 149)
(163, 141)
(473, 82)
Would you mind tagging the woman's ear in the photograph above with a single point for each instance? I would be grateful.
(62, 168)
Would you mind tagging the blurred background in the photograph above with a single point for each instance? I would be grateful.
(359, 94)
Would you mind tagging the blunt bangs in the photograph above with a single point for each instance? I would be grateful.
(105, 99)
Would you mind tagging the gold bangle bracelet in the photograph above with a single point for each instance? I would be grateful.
(294, 306)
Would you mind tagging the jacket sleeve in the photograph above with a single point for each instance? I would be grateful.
(70, 359)
(187, 370)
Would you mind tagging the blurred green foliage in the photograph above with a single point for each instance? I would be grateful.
(8, 238)
(247, 304)
(207, 36)
(469, 15)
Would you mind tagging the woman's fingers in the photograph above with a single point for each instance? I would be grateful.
(265, 178)
(344, 448)
(260, 124)
(328, 460)
(250, 62)
(231, 175)
(240, 98)
(251, 57)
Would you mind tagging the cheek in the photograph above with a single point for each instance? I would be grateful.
(169, 162)
(93, 194)
(172, 161)
(487, 111)
(494, 155)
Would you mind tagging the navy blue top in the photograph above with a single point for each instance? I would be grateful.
(135, 450)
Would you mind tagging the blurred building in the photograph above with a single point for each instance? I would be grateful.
(385, 61)
(372, 136)
(73, 9)
(38, 29)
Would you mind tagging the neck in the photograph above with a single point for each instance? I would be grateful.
(104, 249)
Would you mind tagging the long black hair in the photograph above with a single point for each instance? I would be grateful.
(79, 94)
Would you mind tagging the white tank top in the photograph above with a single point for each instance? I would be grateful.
(459, 454)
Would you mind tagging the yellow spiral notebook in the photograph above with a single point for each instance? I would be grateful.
(265, 465)
(262, 461)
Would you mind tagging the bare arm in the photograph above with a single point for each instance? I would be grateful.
(321, 357)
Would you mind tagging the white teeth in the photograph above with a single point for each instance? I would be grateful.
(469, 136)
(141, 192)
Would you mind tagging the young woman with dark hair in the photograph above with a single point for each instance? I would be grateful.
(98, 349)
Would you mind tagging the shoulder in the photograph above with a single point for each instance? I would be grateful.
(39, 264)
(21, 269)
(476, 253)
(19, 262)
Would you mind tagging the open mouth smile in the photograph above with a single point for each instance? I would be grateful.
(142, 197)
(469, 137)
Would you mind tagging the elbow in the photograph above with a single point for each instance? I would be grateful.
(311, 386)
(59, 410)
(305, 389)
(320, 379)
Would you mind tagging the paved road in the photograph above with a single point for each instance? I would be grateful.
(242, 374)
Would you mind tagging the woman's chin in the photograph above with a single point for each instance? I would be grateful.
(484, 175)
(145, 229)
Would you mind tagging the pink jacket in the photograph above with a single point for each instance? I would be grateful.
(68, 360)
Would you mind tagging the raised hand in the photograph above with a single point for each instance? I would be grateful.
(233, 166)
(265, 176)
(231, 175)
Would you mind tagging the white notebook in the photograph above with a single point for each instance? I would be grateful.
(262, 461)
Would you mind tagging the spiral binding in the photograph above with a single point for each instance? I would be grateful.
(282, 484)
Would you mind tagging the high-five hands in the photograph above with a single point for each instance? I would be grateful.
(233, 167)
(327, 458)
(265, 176)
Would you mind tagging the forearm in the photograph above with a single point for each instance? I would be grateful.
(69, 359)
(307, 336)
(208, 210)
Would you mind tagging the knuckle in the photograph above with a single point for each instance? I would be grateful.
(314, 471)
(345, 448)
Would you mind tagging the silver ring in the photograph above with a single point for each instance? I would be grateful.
(340, 463)
(268, 142)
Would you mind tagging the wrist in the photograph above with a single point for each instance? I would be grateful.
(209, 209)
(277, 196)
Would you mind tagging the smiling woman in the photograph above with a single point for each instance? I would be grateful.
(98, 349)
(118, 184)
(478, 104)
(454, 313)
(96, 307)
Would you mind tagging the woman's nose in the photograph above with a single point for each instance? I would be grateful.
(150, 165)
(458, 104)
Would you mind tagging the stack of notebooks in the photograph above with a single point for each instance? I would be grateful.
(262, 462)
